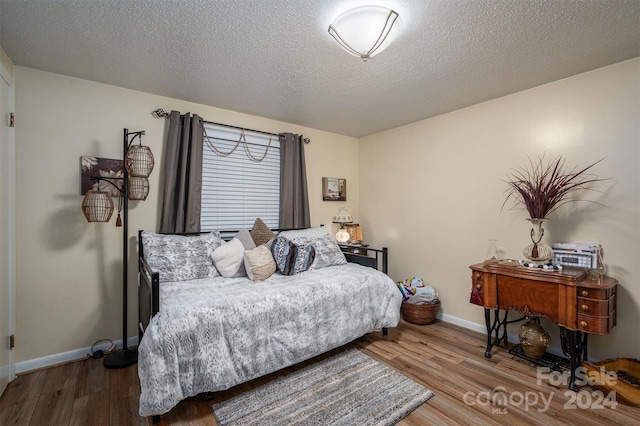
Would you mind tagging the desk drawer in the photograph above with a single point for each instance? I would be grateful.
(477, 289)
(597, 308)
(598, 325)
(596, 293)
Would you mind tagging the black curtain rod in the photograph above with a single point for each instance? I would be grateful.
(159, 113)
(240, 128)
(232, 141)
(306, 140)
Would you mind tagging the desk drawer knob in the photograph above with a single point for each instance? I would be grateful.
(584, 293)
(583, 324)
(584, 308)
(478, 286)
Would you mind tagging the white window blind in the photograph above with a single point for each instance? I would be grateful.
(235, 189)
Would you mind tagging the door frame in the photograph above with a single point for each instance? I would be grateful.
(6, 74)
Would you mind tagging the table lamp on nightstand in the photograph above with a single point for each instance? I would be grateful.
(342, 217)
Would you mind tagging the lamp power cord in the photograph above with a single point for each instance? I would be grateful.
(99, 353)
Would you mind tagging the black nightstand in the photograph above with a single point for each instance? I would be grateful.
(365, 255)
(360, 249)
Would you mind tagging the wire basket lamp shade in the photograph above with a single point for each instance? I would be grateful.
(97, 206)
(138, 188)
(139, 162)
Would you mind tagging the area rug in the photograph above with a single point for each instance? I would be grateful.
(346, 389)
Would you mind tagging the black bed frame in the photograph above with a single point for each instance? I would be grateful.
(149, 281)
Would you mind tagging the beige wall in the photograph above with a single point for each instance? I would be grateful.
(68, 280)
(432, 191)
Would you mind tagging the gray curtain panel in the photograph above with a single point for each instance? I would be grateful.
(182, 174)
(294, 197)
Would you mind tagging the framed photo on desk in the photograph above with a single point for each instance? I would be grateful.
(355, 232)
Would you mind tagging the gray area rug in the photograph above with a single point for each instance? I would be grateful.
(347, 389)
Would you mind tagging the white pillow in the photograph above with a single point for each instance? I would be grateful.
(309, 233)
(229, 259)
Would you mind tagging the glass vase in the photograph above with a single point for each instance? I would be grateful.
(598, 273)
(492, 251)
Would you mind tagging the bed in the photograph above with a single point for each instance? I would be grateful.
(212, 332)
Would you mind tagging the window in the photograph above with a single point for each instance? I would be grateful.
(236, 189)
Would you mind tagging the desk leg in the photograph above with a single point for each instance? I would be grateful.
(503, 324)
(573, 356)
(495, 327)
(487, 320)
(574, 344)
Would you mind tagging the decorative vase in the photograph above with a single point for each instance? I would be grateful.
(598, 272)
(538, 252)
(342, 217)
(533, 339)
(342, 236)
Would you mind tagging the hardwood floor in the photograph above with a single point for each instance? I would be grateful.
(445, 358)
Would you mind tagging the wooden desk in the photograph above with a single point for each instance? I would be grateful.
(578, 306)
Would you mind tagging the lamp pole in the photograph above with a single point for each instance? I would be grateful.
(126, 357)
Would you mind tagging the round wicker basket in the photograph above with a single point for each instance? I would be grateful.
(419, 313)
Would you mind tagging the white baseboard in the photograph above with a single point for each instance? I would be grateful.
(74, 355)
(482, 328)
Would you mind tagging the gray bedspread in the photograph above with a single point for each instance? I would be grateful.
(214, 333)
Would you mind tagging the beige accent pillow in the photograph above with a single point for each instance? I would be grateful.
(259, 263)
(260, 233)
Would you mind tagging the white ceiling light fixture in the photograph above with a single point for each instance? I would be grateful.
(366, 31)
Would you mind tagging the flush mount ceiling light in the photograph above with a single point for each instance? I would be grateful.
(366, 31)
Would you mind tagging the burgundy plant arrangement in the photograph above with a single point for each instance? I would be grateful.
(545, 186)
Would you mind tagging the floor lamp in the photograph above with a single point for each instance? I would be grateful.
(97, 206)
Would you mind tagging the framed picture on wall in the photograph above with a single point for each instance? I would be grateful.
(334, 189)
(105, 167)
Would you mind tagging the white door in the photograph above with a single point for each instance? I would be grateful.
(6, 236)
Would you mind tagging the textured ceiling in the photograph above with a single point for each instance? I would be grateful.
(275, 58)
